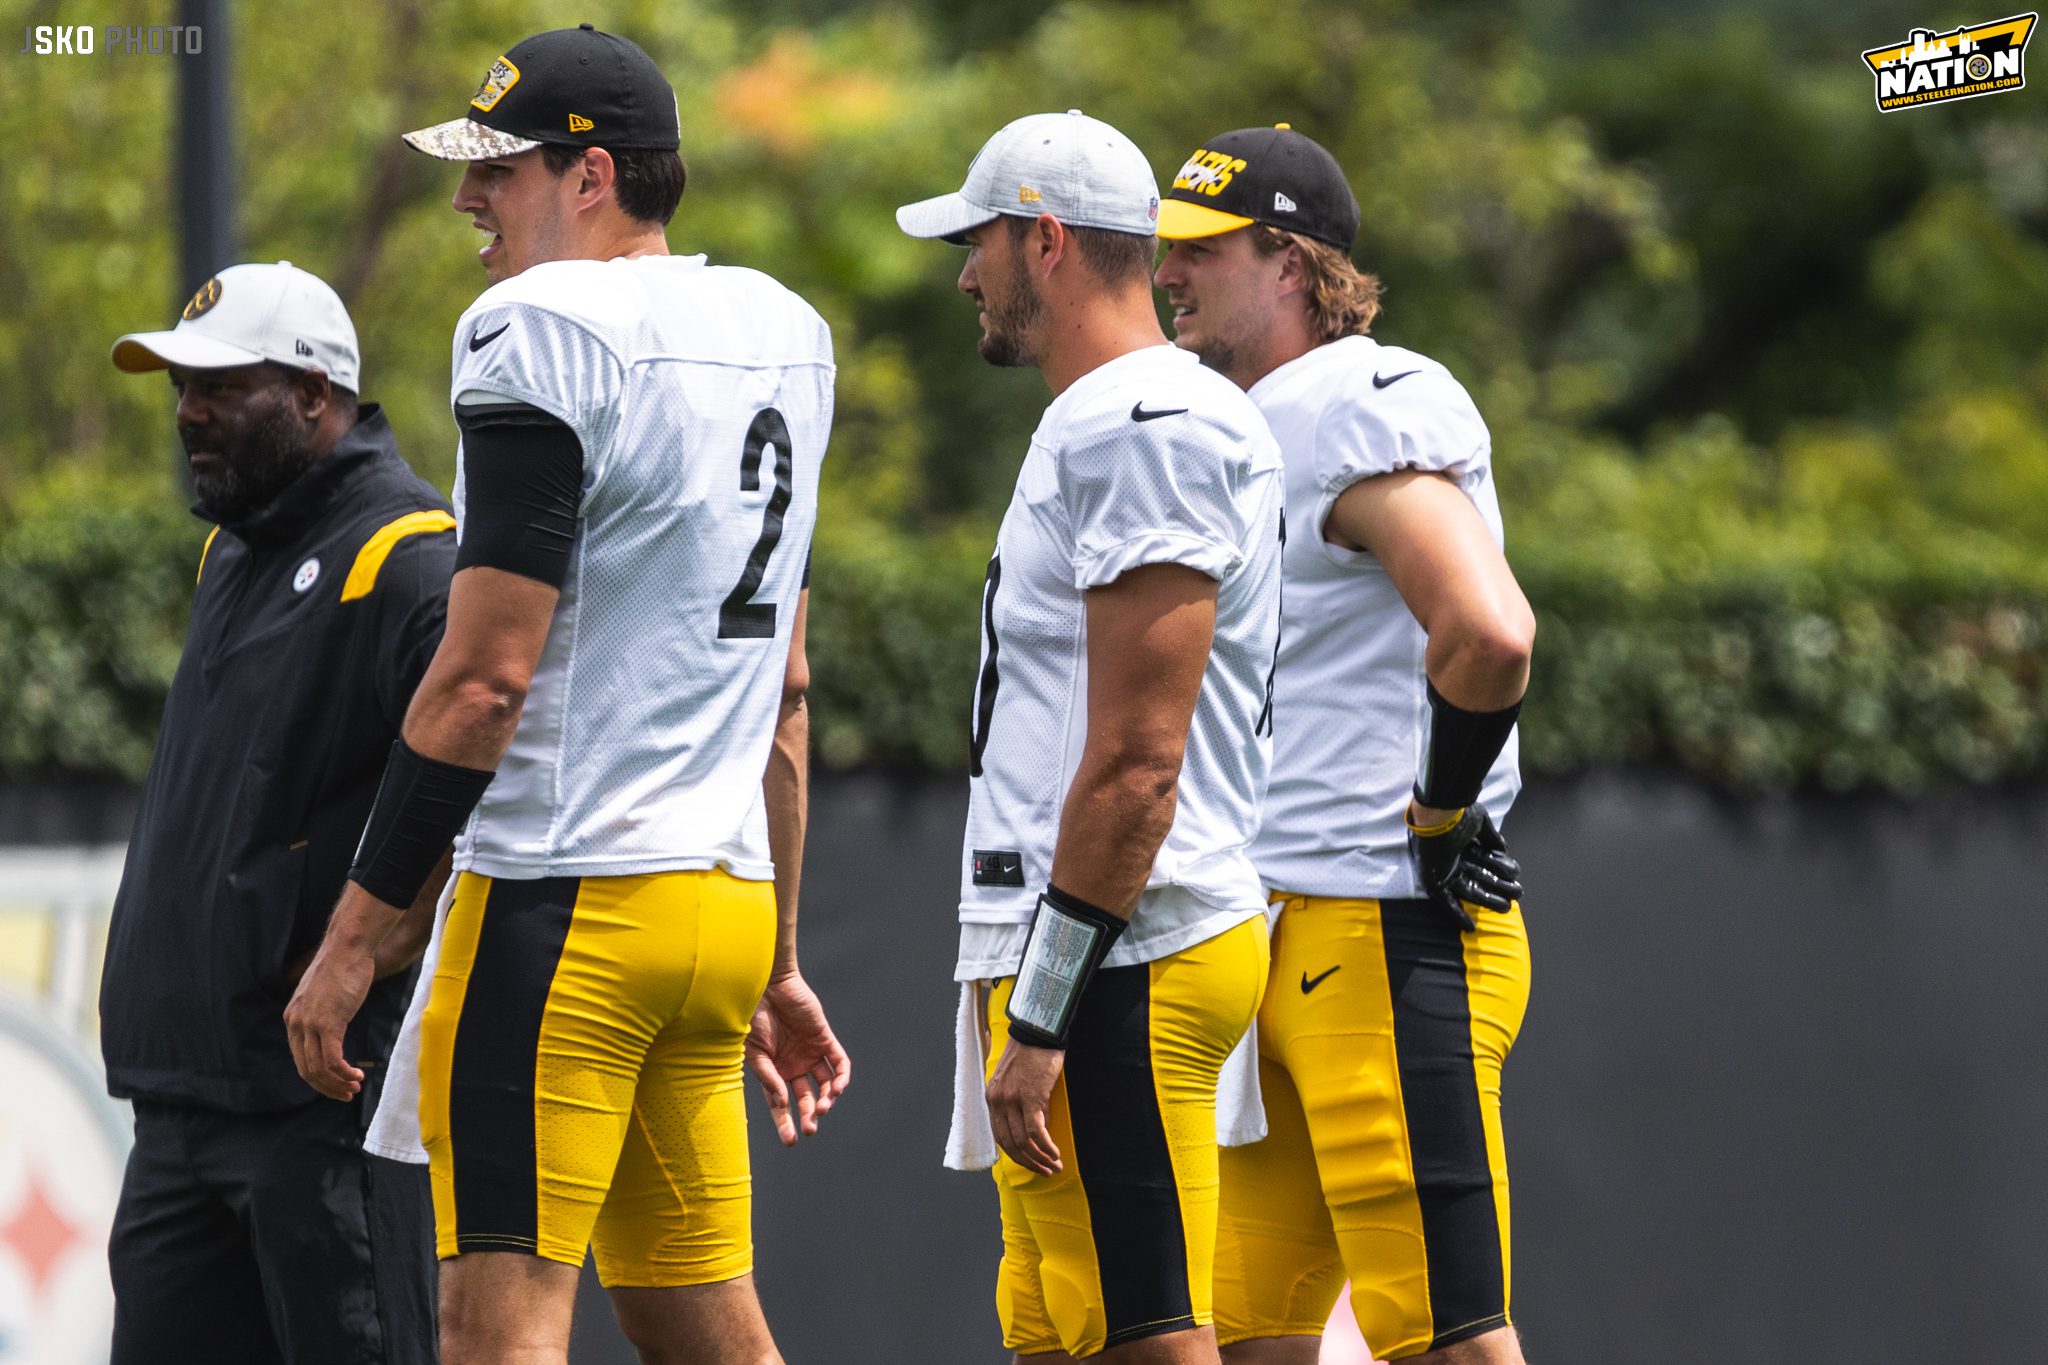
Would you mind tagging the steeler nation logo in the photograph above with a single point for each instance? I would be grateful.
(1973, 60)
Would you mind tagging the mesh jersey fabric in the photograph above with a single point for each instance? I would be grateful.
(702, 396)
(1349, 706)
(1149, 459)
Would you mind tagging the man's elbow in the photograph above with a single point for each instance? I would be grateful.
(489, 697)
(1498, 646)
(1145, 774)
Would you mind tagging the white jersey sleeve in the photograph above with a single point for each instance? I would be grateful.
(1153, 492)
(522, 349)
(1424, 420)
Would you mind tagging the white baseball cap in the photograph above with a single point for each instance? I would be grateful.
(1076, 168)
(248, 314)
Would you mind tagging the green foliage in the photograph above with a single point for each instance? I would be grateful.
(96, 577)
(1767, 372)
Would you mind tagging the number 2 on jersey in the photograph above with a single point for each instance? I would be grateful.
(739, 618)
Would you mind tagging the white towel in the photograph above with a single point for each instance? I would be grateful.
(971, 1141)
(971, 1144)
(395, 1127)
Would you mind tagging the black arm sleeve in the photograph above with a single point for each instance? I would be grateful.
(523, 483)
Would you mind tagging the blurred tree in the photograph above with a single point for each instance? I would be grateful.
(1766, 370)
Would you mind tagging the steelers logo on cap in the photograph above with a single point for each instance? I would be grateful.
(203, 301)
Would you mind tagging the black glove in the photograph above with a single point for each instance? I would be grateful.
(1466, 862)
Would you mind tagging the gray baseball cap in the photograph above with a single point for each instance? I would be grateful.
(1076, 168)
(248, 314)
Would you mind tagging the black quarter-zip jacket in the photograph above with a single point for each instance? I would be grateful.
(312, 623)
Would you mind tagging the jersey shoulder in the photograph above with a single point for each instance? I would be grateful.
(1160, 402)
(582, 294)
(1357, 378)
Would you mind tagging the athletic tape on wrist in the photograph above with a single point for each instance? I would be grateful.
(422, 804)
(1068, 941)
(1461, 751)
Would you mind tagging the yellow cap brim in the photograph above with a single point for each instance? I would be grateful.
(1178, 220)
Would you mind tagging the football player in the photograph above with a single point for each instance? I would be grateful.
(641, 439)
(1400, 963)
(1113, 935)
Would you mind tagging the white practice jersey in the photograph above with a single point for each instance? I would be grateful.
(1349, 706)
(702, 396)
(1149, 459)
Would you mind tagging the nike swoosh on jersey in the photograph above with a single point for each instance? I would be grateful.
(1138, 413)
(1309, 983)
(1380, 382)
(479, 340)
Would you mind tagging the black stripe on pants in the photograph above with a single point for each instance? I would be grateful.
(1446, 1132)
(491, 1074)
(1123, 1162)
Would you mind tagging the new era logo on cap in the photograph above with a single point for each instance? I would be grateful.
(1282, 204)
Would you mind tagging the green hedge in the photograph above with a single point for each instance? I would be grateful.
(1755, 672)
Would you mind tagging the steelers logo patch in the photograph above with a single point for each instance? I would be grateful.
(308, 574)
(501, 77)
(202, 302)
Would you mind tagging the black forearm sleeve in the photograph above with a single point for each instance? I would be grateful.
(522, 486)
(421, 805)
(1462, 747)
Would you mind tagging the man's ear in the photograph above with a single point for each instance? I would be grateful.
(1049, 242)
(1293, 277)
(313, 394)
(595, 174)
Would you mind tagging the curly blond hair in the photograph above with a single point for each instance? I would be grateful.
(1342, 299)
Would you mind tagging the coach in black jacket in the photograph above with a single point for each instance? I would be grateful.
(252, 1227)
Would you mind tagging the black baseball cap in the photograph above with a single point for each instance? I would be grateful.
(1274, 176)
(572, 87)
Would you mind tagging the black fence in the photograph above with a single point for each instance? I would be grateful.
(1779, 1096)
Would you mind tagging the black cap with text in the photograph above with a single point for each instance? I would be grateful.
(1274, 176)
(571, 87)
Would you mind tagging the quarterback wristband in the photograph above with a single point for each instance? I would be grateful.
(1069, 938)
(422, 804)
(1460, 752)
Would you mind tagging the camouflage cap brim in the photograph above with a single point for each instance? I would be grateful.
(464, 139)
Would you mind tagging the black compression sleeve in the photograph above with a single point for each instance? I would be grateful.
(1462, 747)
(421, 805)
(522, 485)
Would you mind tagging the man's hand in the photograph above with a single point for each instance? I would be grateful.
(1019, 1094)
(328, 996)
(1463, 861)
(791, 1046)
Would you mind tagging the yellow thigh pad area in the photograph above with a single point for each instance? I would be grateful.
(1121, 1243)
(1381, 1039)
(580, 1071)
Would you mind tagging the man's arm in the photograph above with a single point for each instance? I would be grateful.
(1442, 559)
(407, 940)
(464, 714)
(1149, 635)
(786, 790)
(791, 1042)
